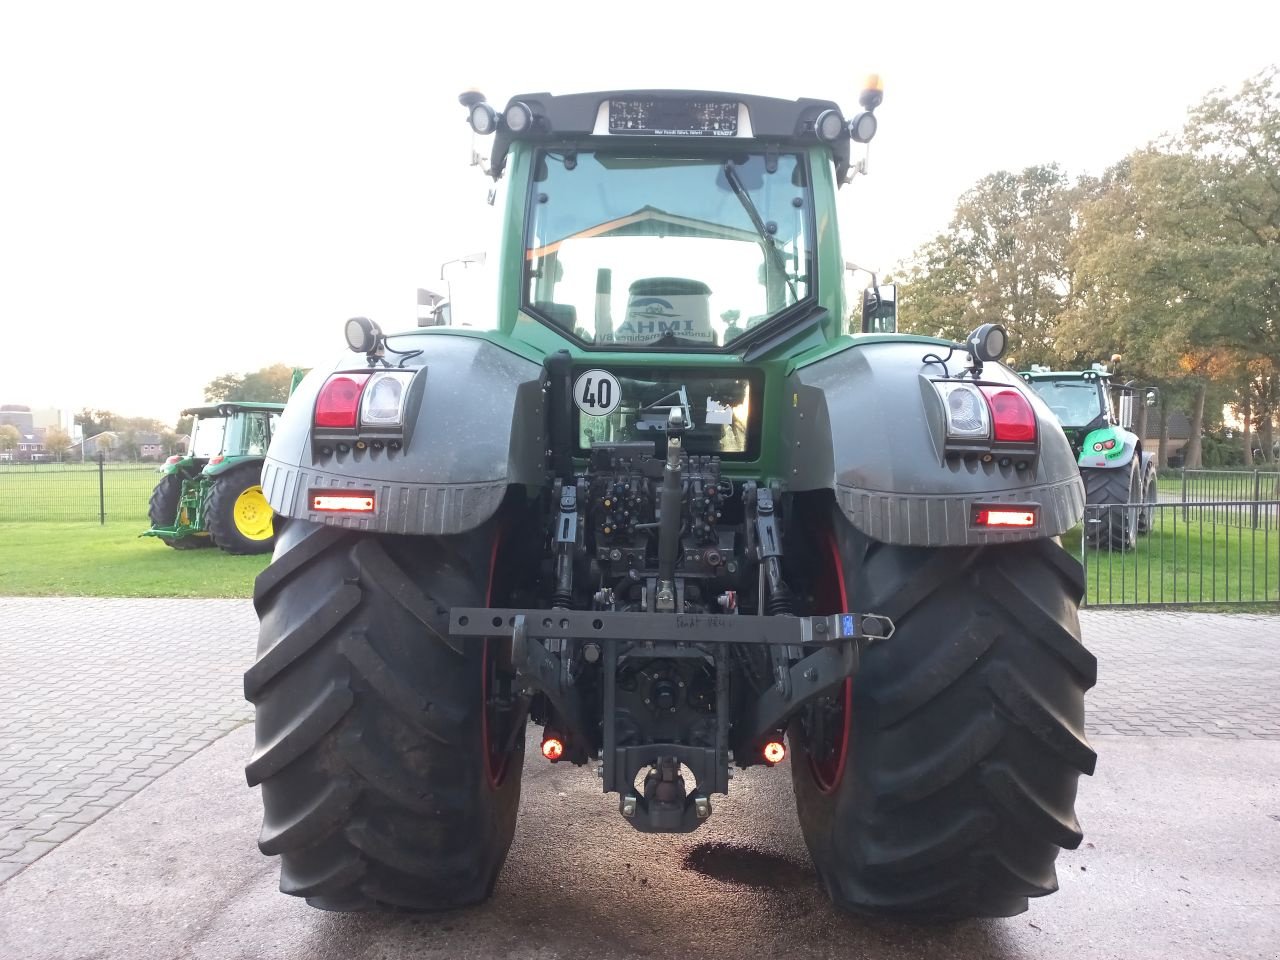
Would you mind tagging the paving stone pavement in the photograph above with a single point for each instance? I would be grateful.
(101, 696)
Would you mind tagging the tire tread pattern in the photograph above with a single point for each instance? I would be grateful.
(967, 732)
(369, 750)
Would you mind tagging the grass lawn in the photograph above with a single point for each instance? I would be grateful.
(1181, 562)
(88, 560)
(69, 491)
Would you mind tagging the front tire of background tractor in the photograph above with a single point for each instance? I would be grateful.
(386, 779)
(943, 782)
(238, 516)
(1118, 524)
(162, 511)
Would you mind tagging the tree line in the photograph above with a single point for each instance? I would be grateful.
(1171, 258)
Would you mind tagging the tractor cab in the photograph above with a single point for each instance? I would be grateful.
(1080, 399)
(223, 434)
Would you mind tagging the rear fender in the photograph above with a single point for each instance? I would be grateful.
(230, 463)
(864, 424)
(474, 427)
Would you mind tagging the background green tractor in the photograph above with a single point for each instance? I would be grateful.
(212, 496)
(1116, 470)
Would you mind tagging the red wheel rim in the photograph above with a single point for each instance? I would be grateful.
(495, 762)
(832, 597)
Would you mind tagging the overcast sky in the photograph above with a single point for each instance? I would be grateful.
(187, 190)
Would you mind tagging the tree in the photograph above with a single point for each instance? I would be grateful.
(95, 421)
(57, 441)
(9, 437)
(270, 384)
(1002, 260)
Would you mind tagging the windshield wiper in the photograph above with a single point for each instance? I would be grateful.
(766, 238)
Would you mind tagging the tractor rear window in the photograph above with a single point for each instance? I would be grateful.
(722, 412)
(680, 251)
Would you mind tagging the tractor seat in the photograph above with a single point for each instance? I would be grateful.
(657, 305)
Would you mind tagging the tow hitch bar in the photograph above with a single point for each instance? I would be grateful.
(812, 657)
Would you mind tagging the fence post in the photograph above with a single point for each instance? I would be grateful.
(102, 498)
(1257, 496)
(1185, 514)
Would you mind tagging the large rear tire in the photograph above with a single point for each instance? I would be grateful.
(238, 516)
(162, 511)
(1121, 489)
(386, 778)
(943, 783)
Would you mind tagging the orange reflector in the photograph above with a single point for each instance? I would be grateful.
(359, 502)
(775, 751)
(552, 749)
(1005, 518)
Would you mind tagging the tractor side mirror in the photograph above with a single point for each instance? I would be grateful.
(880, 309)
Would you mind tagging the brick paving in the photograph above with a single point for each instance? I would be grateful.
(1165, 673)
(100, 697)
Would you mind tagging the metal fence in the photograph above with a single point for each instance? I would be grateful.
(95, 491)
(1194, 552)
(1233, 486)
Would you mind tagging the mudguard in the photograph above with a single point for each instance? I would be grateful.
(865, 423)
(1120, 455)
(474, 426)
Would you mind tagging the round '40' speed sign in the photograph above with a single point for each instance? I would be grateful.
(597, 393)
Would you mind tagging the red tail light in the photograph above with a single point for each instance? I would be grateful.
(339, 401)
(775, 751)
(1011, 414)
(1004, 517)
(552, 749)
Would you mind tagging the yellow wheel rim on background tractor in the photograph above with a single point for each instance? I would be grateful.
(252, 514)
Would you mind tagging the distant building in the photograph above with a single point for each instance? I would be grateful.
(1179, 434)
(150, 446)
(90, 447)
(17, 415)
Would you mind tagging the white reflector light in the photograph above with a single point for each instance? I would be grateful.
(968, 416)
(382, 404)
(358, 502)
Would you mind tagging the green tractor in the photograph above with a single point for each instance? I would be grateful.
(213, 496)
(1119, 475)
(651, 496)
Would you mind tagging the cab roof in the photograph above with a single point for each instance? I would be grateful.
(574, 116)
(228, 407)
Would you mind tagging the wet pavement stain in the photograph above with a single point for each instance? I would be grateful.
(747, 866)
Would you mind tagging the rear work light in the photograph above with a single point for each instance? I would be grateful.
(349, 501)
(1015, 421)
(339, 401)
(1006, 517)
